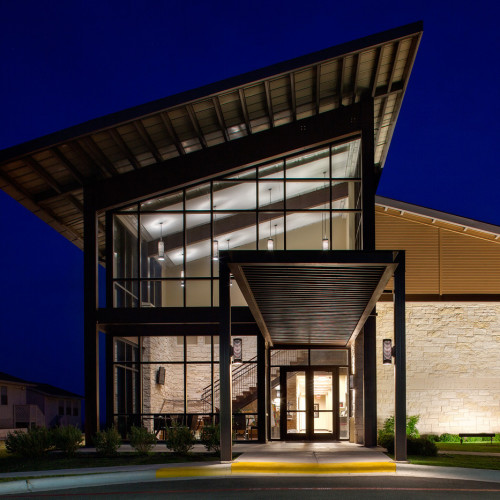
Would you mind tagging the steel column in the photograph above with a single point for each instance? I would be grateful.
(226, 418)
(370, 382)
(90, 330)
(400, 359)
(262, 388)
(110, 389)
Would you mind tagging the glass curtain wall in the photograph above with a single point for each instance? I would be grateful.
(165, 249)
(176, 379)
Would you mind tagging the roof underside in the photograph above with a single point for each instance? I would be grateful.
(47, 175)
(323, 300)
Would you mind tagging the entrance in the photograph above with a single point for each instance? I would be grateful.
(310, 403)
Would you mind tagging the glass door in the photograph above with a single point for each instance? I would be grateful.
(309, 403)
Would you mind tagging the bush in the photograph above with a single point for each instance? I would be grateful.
(386, 440)
(411, 426)
(31, 444)
(449, 438)
(415, 445)
(180, 439)
(421, 446)
(67, 439)
(142, 440)
(431, 437)
(107, 442)
(210, 437)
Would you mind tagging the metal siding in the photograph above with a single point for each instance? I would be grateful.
(469, 264)
(422, 250)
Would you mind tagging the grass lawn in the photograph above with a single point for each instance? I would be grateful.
(450, 460)
(483, 447)
(54, 461)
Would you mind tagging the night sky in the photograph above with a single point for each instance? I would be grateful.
(65, 62)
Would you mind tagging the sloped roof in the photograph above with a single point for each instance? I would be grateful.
(50, 390)
(5, 377)
(47, 174)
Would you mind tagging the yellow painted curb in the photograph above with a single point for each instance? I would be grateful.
(193, 471)
(312, 468)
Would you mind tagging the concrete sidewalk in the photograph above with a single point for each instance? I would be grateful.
(274, 458)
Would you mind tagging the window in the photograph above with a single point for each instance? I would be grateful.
(75, 409)
(3, 395)
(68, 408)
(61, 407)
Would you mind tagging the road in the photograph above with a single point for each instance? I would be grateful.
(279, 487)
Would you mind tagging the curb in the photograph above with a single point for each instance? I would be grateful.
(312, 468)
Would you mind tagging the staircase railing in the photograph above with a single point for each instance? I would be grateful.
(245, 376)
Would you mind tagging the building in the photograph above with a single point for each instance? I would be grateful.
(239, 222)
(26, 404)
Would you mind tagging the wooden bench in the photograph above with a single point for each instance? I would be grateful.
(478, 434)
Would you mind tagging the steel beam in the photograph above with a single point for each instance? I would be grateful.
(370, 381)
(262, 389)
(91, 332)
(225, 376)
(400, 359)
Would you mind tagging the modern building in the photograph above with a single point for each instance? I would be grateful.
(251, 274)
(26, 404)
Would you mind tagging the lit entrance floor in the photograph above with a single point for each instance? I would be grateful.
(312, 458)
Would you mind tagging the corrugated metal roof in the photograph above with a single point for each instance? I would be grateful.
(46, 175)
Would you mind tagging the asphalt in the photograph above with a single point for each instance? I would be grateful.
(274, 458)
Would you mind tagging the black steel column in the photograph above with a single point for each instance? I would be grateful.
(226, 418)
(262, 388)
(370, 382)
(110, 392)
(368, 178)
(400, 359)
(90, 331)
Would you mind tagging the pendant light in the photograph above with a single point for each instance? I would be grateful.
(215, 243)
(182, 278)
(270, 241)
(161, 246)
(326, 243)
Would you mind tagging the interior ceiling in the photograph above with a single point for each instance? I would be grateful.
(311, 304)
(46, 175)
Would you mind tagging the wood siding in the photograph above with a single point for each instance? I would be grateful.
(441, 258)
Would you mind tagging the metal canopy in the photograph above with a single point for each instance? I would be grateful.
(47, 175)
(311, 297)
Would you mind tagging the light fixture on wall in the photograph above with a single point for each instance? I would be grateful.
(325, 243)
(161, 246)
(215, 243)
(387, 352)
(270, 241)
(237, 351)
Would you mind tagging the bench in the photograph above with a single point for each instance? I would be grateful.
(477, 434)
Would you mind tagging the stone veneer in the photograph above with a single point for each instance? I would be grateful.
(453, 366)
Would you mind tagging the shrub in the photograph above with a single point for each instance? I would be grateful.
(31, 444)
(421, 446)
(386, 440)
(210, 437)
(67, 439)
(415, 445)
(411, 426)
(431, 437)
(142, 440)
(449, 438)
(107, 442)
(180, 439)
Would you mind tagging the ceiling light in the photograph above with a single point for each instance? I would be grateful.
(215, 248)
(161, 246)
(325, 243)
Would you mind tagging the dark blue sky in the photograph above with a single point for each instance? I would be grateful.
(64, 62)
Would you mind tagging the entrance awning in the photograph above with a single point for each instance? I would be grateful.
(311, 297)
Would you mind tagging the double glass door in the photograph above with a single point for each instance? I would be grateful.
(309, 403)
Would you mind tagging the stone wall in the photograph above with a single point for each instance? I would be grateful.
(453, 366)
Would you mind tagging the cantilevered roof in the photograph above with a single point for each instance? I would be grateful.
(311, 297)
(47, 174)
